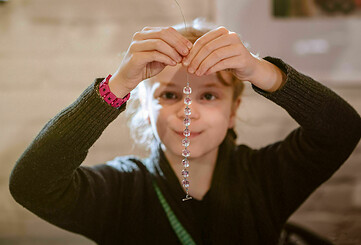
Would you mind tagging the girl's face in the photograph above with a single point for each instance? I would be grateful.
(211, 112)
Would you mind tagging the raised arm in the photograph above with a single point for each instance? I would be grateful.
(291, 169)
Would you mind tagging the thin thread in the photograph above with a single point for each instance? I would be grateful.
(185, 27)
(184, 20)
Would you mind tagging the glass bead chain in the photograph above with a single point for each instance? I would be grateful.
(187, 121)
(185, 142)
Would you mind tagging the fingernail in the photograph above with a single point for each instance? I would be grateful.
(185, 62)
(191, 70)
(185, 51)
(189, 44)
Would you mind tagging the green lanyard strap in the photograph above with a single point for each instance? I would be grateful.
(181, 233)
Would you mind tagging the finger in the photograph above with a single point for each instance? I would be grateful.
(218, 55)
(224, 64)
(183, 39)
(155, 44)
(169, 35)
(203, 40)
(212, 46)
(143, 58)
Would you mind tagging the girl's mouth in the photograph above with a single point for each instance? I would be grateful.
(193, 134)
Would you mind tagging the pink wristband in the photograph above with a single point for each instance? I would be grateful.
(108, 96)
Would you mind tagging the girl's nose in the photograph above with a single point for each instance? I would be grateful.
(193, 110)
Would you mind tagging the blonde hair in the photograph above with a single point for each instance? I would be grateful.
(136, 112)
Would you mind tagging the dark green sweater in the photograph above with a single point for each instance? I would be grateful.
(252, 194)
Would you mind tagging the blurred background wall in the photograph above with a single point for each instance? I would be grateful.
(50, 51)
(323, 44)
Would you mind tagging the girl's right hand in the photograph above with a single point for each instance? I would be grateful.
(150, 51)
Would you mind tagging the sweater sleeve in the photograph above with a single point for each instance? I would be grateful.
(291, 169)
(47, 179)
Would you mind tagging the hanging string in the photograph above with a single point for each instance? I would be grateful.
(187, 111)
(185, 27)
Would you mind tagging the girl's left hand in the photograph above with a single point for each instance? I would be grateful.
(220, 49)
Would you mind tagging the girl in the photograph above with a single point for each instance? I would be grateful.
(239, 195)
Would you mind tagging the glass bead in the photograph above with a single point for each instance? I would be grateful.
(187, 121)
(187, 90)
(185, 183)
(186, 153)
(186, 132)
(185, 142)
(185, 163)
(187, 111)
(187, 101)
(185, 173)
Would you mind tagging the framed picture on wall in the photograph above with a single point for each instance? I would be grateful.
(315, 8)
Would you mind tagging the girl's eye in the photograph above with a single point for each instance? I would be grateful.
(168, 96)
(174, 96)
(209, 96)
